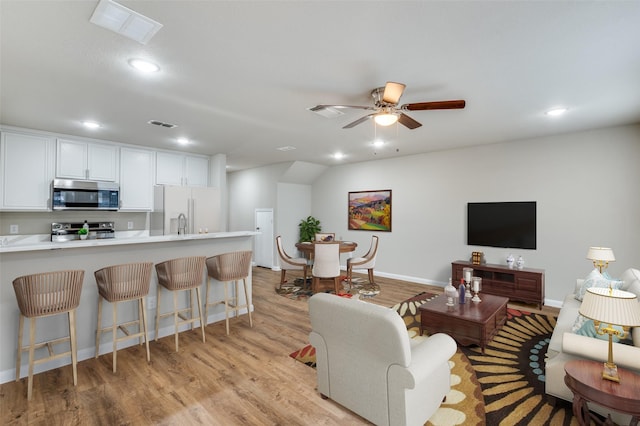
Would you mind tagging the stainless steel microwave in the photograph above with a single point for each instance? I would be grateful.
(84, 195)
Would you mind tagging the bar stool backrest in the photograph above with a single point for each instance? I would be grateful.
(229, 266)
(48, 293)
(124, 282)
(182, 273)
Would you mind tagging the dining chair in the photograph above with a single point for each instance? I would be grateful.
(368, 262)
(325, 236)
(326, 265)
(288, 263)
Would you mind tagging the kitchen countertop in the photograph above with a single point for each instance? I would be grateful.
(15, 243)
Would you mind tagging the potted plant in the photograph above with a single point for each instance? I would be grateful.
(308, 229)
(83, 232)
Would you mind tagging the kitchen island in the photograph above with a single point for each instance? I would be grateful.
(23, 257)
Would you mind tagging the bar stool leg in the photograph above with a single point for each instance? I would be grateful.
(19, 357)
(74, 345)
(99, 326)
(200, 313)
(140, 321)
(114, 333)
(157, 312)
(226, 304)
(175, 317)
(143, 309)
(247, 299)
(32, 341)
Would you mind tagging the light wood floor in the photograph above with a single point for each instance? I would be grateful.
(244, 378)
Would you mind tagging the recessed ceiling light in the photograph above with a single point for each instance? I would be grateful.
(91, 124)
(338, 156)
(183, 141)
(556, 112)
(378, 142)
(144, 66)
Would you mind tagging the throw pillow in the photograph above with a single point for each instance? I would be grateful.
(596, 279)
(634, 287)
(585, 327)
(629, 276)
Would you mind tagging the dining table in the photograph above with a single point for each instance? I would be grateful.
(307, 247)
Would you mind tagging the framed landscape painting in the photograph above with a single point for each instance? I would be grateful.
(370, 210)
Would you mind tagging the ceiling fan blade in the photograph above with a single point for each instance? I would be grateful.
(421, 106)
(358, 121)
(392, 92)
(321, 107)
(408, 122)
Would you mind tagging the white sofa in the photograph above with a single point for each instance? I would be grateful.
(566, 346)
(367, 363)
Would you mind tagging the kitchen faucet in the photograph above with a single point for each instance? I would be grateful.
(182, 224)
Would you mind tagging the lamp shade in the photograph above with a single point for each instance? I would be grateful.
(385, 119)
(610, 306)
(601, 253)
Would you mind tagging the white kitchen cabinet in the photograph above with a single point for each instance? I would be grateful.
(136, 179)
(183, 170)
(84, 160)
(28, 163)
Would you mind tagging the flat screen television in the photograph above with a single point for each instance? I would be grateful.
(505, 224)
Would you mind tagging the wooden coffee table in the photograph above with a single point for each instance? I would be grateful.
(584, 378)
(469, 323)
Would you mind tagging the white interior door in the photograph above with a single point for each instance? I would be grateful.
(264, 241)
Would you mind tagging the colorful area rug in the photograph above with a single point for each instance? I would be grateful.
(505, 386)
(301, 290)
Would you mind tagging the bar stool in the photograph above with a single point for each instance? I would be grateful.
(180, 274)
(122, 283)
(44, 295)
(230, 267)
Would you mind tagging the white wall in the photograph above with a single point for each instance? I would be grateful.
(262, 188)
(252, 189)
(586, 186)
(294, 204)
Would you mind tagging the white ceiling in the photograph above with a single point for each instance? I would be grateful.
(237, 77)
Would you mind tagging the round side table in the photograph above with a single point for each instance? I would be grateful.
(584, 379)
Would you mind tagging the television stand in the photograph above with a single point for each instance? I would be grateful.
(522, 285)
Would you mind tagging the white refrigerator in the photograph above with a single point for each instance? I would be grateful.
(199, 205)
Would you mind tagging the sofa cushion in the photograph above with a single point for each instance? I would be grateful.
(596, 279)
(629, 276)
(634, 287)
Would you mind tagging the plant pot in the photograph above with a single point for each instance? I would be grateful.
(83, 236)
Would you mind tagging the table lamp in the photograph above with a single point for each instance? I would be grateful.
(601, 257)
(608, 307)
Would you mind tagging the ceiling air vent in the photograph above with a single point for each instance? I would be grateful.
(124, 21)
(326, 111)
(162, 124)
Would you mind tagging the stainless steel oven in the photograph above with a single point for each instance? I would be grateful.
(84, 195)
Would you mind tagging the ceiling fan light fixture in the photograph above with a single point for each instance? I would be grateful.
(385, 118)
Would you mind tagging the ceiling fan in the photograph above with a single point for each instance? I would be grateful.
(386, 110)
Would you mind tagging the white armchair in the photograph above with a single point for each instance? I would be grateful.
(366, 363)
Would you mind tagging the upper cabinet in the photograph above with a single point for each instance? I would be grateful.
(178, 169)
(84, 160)
(136, 179)
(27, 171)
